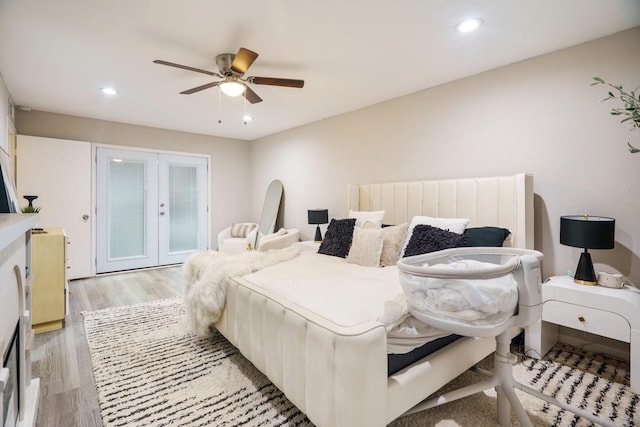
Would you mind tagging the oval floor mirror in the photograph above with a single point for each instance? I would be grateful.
(270, 210)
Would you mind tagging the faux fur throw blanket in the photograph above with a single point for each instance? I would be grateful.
(206, 276)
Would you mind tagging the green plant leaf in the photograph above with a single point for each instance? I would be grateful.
(630, 102)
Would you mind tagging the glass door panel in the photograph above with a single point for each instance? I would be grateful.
(126, 210)
(127, 214)
(183, 207)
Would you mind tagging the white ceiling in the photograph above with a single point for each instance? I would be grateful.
(56, 54)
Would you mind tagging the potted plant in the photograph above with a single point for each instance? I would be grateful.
(30, 209)
(631, 109)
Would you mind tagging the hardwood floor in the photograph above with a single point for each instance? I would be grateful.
(61, 358)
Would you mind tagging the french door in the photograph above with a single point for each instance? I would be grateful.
(151, 209)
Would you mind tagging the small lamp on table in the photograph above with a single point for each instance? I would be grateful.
(318, 216)
(587, 232)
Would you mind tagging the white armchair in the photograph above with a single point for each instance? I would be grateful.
(237, 237)
(278, 240)
(247, 235)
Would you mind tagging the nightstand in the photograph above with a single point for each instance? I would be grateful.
(608, 312)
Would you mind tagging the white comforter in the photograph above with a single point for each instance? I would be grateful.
(347, 294)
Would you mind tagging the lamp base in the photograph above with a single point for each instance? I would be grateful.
(318, 237)
(585, 274)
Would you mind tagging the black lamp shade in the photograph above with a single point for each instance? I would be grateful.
(588, 232)
(318, 216)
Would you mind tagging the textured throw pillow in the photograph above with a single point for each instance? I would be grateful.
(486, 236)
(455, 225)
(364, 216)
(393, 238)
(337, 239)
(426, 238)
(366, 247)
(241, 230)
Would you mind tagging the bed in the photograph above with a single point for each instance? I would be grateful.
(338, 374)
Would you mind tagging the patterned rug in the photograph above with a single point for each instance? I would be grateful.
(150, 371)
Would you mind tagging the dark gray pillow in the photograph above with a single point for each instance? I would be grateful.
(426, 238)
(337, 239)
(486, 236)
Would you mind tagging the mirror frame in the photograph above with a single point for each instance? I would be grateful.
(270, 210)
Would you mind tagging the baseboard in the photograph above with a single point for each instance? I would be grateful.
(30, 414)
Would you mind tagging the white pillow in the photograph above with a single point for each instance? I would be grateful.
(366, 246)
(361, 217)
(242, 229)
(455, 225)
(392, 241)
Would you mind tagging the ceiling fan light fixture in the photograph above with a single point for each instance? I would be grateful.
(108, 91)
(469, 25)
(232, 87)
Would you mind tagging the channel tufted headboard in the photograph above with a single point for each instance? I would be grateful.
(504, 201)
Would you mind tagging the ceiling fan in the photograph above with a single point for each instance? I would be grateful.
(232, 69)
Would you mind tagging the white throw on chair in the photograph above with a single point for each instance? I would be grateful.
(231, 243)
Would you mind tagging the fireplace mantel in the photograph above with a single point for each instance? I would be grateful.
(15, 306)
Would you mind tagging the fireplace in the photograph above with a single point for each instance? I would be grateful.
(19, 392)
(11, 378)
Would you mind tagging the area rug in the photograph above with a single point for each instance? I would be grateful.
(151, 371)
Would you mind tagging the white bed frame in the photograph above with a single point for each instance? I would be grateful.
(337, 375)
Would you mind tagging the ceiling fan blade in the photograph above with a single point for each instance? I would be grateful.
(185, 67)
(273, 81)
(251, 96)
(199, 88)
(243, 60)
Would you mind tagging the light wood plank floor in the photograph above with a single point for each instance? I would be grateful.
(61, 358)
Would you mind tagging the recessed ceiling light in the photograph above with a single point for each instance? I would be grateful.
(469, 25)
(108, 91)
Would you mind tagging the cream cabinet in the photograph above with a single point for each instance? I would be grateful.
(608, 312)
(48, 257)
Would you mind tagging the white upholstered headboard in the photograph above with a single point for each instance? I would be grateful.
(504, 201)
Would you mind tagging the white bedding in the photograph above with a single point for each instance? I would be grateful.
(474, 301)
(347, 294)
(344, 293)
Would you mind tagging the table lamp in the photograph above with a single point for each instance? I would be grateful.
(587, 232)
(318, 216)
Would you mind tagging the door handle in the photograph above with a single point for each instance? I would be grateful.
(85, 217)
(161, 212)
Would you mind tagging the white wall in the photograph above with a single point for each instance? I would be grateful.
(230, 159)
(4, 112)
(539, 116)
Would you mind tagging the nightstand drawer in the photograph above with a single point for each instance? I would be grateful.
(587, 319)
